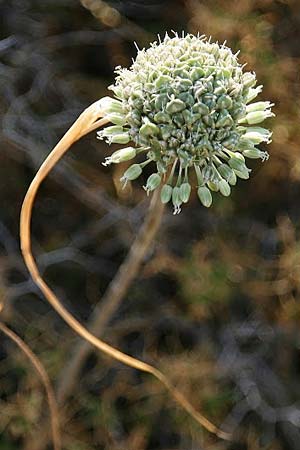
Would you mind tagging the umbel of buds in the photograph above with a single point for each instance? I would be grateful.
(186, 105)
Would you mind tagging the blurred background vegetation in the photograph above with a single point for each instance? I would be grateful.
(216, 304)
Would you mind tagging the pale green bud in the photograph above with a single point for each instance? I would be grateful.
(256, 135)
(149, 129)
(166, 193)
(237, 164)
(132, 173)
(249, 79)
(255, 153)
(259, 106)
(205, 196)
(124, 154)
(162, 80)
(153, 182)
(253, 93)
(109, 131)
(224, 188)
(176, 200)
(185, 192)
(111, 105)
(175, 106)
(122, 138)
(213, 186)
(244, 174)
(118, 119)
(257, 116)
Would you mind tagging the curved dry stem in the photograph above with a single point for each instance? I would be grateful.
(53, 408)
(86, 122)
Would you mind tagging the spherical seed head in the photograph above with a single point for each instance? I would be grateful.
(185, 103)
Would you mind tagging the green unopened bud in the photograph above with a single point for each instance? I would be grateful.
(244, 174)
(118, 119)
(197, 73)
(161, 80)
(131, 173)
(162, 117)
(237, 164)
(149, 129)
(175, 106)
(224, 101)
(253, 93)
(111, 105)
(255, 153)
(224, 119)
(205, 196)
(257, 116)
(258, 106)
(185, 192)
(109, 131)
(227, 173)
(124, 154)
(122, 138)
(224, 188)
(213, 186)
(153, 182)
(249, 79)
(201, 108)
(166, 193)
(256, 135)
(176, 200)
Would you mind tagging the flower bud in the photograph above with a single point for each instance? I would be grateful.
(166, 193)
(149, 129)
(256, 135)
(111, 105)
(185, 192)
(227, 173)
(205, 196)
(122, 138)
(132, 173)
(153, 182)
(116, 118)
(237, 164)
(224, 188)
(253, 93)
(259, 106)
(109, 131)
(255, 153)
(124, 154)
(249, 79)
(257, 116)
(176, 200)
(175, 105)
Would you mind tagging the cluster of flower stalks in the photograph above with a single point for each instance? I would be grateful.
(186, 105)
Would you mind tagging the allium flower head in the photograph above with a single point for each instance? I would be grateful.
(185, 103)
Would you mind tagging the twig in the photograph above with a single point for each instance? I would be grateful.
(45, 380)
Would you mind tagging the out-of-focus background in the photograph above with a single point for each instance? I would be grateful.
(217, 302)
